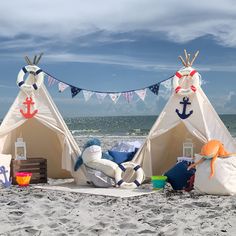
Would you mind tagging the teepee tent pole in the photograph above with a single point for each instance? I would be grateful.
(38, 59)
(34, 60)
(182, 60)
(28, 60)
(195, 56)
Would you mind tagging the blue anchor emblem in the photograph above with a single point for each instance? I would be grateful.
(183, 115)
(7, 182)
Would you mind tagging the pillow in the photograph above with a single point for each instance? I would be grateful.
(106, 166)
(224, 180)
(5, 160)
(179, 175)
(120, 157)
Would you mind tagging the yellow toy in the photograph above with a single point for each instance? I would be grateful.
(212, 150)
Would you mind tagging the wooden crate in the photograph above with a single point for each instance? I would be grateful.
(37, 166)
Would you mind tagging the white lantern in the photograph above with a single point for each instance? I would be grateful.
(188, 148)
(20, 149)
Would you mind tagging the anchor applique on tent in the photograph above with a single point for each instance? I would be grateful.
(185, 103)
(7, 182)
(28, 102)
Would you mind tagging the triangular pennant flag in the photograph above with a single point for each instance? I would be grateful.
(87, 95)
(167, 84)
(74, 91)
(62, 86)
(141, 93)
(114, 97)
(101, 96)
(155, 88)
(128, 96)
(51, 81)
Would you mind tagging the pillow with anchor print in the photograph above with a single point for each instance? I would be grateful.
(5, 161)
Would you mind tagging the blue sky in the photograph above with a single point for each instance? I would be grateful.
(109, 45)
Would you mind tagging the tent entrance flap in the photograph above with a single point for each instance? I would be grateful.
(41, 141)
(168, 146)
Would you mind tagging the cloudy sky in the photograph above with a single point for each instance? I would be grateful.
(117, 45)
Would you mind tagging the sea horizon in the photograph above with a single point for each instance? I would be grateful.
(126, 125)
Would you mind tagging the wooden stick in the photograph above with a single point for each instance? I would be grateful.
(34, 61)
(188, 60)
(182, 60)
(28, 60)
(37, 61)
(186, 56)
(195, 56)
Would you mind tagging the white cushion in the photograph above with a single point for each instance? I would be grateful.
(5, 160)
(106, 166)
(224, 180)
(92, 153)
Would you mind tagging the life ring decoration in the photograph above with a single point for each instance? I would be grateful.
(39, 76)
(193, 75)
(122, 168)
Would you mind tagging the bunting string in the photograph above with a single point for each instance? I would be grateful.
(114, 95)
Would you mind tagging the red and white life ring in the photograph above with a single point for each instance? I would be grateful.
(122, 168)
(191, 74)
(39, 75)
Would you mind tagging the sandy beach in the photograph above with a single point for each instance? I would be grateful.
(31, 211)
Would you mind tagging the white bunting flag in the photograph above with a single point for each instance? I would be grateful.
(114, 97)
(51, 81)
(87, 95)
(141, 93)
(167, 84)
(62, 87)
(128, 96)
(101, 96)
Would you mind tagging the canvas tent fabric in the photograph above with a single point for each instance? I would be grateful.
(46, 134)
(165, 140)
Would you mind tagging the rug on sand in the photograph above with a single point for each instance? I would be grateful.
(112, 192)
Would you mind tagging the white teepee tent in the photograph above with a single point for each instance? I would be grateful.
(46, 134)
(199, 123)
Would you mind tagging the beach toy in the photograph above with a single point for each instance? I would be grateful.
(23, 178)
(122, 168)
(39, 75)
(159, 182)
(211, 150)
(93, 158)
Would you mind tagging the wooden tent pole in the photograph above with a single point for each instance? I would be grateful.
(188, 63)
(28, 60)
(195, 56)
(34, 60)
(186, 56)
(38, 59)
(182, 60)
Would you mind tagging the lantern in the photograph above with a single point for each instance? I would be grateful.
(20, 149)
(188, 148)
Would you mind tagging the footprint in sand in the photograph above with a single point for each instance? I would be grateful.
(127, 226)
(12, 203)
(16, 213)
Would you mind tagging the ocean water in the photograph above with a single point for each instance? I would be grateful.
(125, 125)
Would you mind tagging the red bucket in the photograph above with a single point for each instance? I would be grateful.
(23, 178)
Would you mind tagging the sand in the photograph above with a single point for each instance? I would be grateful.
(31, 211)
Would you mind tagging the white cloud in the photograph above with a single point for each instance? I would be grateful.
(121, 60)
(137, 63)
(181, 21)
